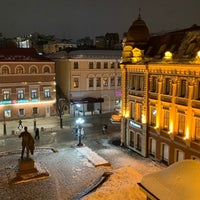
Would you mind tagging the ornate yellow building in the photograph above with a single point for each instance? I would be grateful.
(161, 93)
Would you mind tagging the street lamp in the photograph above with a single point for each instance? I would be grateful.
(79, 122)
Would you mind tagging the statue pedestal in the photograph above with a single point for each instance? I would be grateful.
(27, 171)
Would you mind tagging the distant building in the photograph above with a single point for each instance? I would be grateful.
(160, 93)
(27, 88)
(90, 80)
(109, 41)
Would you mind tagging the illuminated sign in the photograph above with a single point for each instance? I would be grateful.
(134, 124)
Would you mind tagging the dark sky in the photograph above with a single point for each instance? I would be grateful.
(75, 19)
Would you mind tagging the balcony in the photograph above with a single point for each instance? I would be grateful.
(181, 101)
(153, 95)
(166, 98)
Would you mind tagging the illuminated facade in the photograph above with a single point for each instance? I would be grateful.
(161, 94)
(91, 80)
(27, 84)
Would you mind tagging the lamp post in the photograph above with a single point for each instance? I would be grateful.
(79, 122)
(4, 126)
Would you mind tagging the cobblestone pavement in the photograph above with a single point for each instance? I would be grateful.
(70, 172)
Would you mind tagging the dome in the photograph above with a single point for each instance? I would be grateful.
(138, 32)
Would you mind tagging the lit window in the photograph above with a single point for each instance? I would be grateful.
(105, 81)
(181, 124)
(34, 94)
(166, 120)
(5, 70)
(7, 113)
(19, 70)
(47, 93)
(153, 116)
(76, 83)
(197, 129)
(6, 95)
(20, 94)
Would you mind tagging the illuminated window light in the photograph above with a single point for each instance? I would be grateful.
(168, 55)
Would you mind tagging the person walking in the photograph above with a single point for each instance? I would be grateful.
(27, 142)
(37, 134)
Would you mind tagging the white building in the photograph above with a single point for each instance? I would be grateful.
(90, 80)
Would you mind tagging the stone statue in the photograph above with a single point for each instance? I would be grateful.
(27, 142)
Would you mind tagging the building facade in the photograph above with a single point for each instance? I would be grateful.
(160, 93)
(90, 80)
(27, 84)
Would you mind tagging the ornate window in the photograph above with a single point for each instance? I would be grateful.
(47, 93)
(34, 94)
(181, 124)
(19, 70)
(75, 65)
(33, 70)
(91, 82)
(98, 81)
(5, 70)
(6, 95)
(98, 65)
(75, 82)
(46, 69)
(20, 94)
(91, 65)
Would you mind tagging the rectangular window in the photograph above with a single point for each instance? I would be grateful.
(166, 120)
(34, 94)
(112, 81)
(132, 138)
(132, 82)
(139, 142)
(75, 65)
(90, 65)
(98, 81)
(167, 86)
(47, 93)
(141, 83)
(20, 94)
(105, 66)
(153, 116)
(181, 124)
(183, 88)
(119, 81)
(154, 84)
(76, 83)
(197, 129)
(21, 112)
(138, 113)
(98, 65)
(6, 95)
(112, 65)
(7, 113)
(91, 82)
(152, 147)
(105, 81)
(35, 110)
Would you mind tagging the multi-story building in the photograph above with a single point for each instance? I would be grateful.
(160, 93)
(90, 80)
(27, 84)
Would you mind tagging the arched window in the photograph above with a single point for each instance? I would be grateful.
(46, 69)
(19, 70)
(33, 70)
(5, 70)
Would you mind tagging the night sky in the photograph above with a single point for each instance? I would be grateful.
(75, 19)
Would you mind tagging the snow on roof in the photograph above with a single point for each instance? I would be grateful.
(181, 180)
(122, 184)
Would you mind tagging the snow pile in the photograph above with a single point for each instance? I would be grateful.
(122, 184)
(179, 181)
